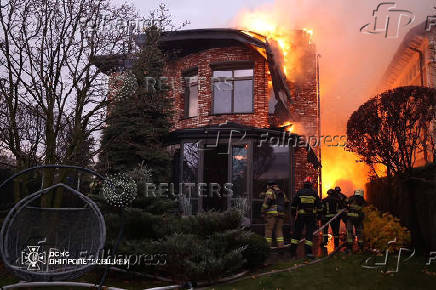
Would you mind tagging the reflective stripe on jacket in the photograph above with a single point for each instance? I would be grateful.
(274, 202)
(355, 204)
(306, 202)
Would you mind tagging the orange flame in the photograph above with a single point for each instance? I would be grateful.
(265, 24)
(293, 127)
(339, 167)
(289, 127)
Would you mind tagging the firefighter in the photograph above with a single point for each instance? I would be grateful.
(273, 210)
(306, 205)
(331, 205)
(355, 216)
(341, 196)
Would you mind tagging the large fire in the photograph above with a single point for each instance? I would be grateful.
(339, 166)
(265, 24)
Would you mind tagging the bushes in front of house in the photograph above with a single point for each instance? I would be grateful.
(381, 228)
(190, 258)
(204, 247)
(257, 251)
(203, 224)
(209, 256)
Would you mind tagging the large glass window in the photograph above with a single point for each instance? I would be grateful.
(232, 91)
(191, 96)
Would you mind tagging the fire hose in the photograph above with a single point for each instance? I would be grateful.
(323, 226)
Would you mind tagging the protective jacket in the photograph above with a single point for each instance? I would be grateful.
(331, 205)
(306, 202)
(355, 204)
(275, 202)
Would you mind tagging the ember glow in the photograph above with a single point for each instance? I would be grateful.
(293, 127)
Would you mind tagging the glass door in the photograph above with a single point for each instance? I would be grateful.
(239, 177)
(215, 176)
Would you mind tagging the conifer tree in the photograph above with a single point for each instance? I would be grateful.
(139, 115)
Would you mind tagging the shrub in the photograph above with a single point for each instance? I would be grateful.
(257, 250)
(192, 259)
(381, 228)
(211, 222)
(198, 254)
(180, 248)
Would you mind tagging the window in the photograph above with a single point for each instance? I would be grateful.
(191, 95)
(239, 170)
(239, 198)
(191, 159)
(232, 91)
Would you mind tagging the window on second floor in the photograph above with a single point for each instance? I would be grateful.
(232, 90)
(191, 95)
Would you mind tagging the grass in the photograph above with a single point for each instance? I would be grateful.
(115, 279)
(339, 272)
(344, 272)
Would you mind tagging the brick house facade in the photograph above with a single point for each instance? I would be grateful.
(230, 135)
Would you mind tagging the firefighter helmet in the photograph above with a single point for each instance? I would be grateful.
(308, 179)
(330, 191)
(359, 192)
(338, 189)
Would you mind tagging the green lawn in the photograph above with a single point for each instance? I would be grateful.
(338, 272)
(115, 279)
(344, 272)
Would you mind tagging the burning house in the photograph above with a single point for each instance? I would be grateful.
(239, 119)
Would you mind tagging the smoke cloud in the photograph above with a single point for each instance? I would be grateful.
(351, 65)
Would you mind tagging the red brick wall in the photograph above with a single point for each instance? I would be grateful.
(304, 95)
(303, 169)
(202, 60)
(305, 110)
